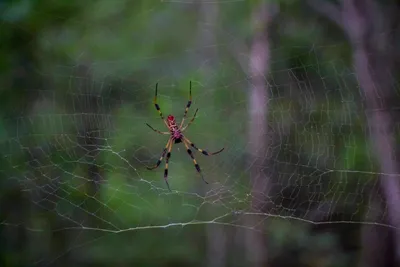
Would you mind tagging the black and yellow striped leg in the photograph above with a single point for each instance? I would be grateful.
(196, 165)
(188, 104)
(190, 122)
(162, 155)
(158, 107)
(166, 164)
(157, 131)
(201, 150)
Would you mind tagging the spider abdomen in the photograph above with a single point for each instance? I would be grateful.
(176, 135)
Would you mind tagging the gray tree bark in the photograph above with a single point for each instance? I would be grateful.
(259, 66)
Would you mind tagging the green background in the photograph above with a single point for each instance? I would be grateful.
(77, 81)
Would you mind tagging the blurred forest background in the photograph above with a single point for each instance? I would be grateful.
(303, 95)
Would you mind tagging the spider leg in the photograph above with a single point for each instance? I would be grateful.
(201, 150)
(166, 164)
(190, 122)
(162, 155)
(157, 106)
(196, 165)
(157, 131)
(188, 104)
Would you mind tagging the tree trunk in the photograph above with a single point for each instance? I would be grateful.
(366, 26)
(89, 139)
(259, 65)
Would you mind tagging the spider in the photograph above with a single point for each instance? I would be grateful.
(176, 136)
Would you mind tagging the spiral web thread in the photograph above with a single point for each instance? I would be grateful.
(81, 153)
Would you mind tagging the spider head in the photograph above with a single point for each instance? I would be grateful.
(170, 118)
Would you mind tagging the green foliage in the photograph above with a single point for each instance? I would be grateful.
(70, 68)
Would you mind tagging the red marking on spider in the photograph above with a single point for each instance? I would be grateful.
(171, 118)
(176, 136)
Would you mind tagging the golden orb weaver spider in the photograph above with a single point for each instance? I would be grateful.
(176, 136)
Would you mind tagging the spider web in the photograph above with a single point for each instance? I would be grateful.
(80, 153)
